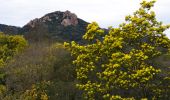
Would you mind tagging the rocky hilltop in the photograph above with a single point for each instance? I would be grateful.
(54, 26)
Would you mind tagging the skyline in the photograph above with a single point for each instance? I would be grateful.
(105, 12)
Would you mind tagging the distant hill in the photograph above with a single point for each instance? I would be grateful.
(9, 29)
(54, 26)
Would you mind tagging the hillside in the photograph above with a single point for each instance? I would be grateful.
(62, 57)
(56, 26)
(9, 29)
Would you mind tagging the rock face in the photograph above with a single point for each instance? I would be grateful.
(69, 19)
(33, 23)
(64, 26)
(56, 25)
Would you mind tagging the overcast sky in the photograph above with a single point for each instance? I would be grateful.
(105, 12)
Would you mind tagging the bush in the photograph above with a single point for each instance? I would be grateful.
(121, 64)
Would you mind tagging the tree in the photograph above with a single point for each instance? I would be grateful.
(120, 64)
(37, 92)
(41, 62)
(9, 46)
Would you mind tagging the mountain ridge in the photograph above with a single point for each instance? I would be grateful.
(56, 25)
(9, 29)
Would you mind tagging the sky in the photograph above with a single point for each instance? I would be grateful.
(105, 12)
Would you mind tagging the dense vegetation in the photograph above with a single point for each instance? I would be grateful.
(9, 46)
(42, 71)
(125, 63)
(122, 65)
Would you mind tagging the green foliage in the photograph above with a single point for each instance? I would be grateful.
(9, 46)
(121, 65)
(33, 65)
(41, 61)
(3, 90)
(37, 92)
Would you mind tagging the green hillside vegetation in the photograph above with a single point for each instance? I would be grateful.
(9, 47)
(131, 62)
(43, 71)
(123, 65)
(39, 70)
